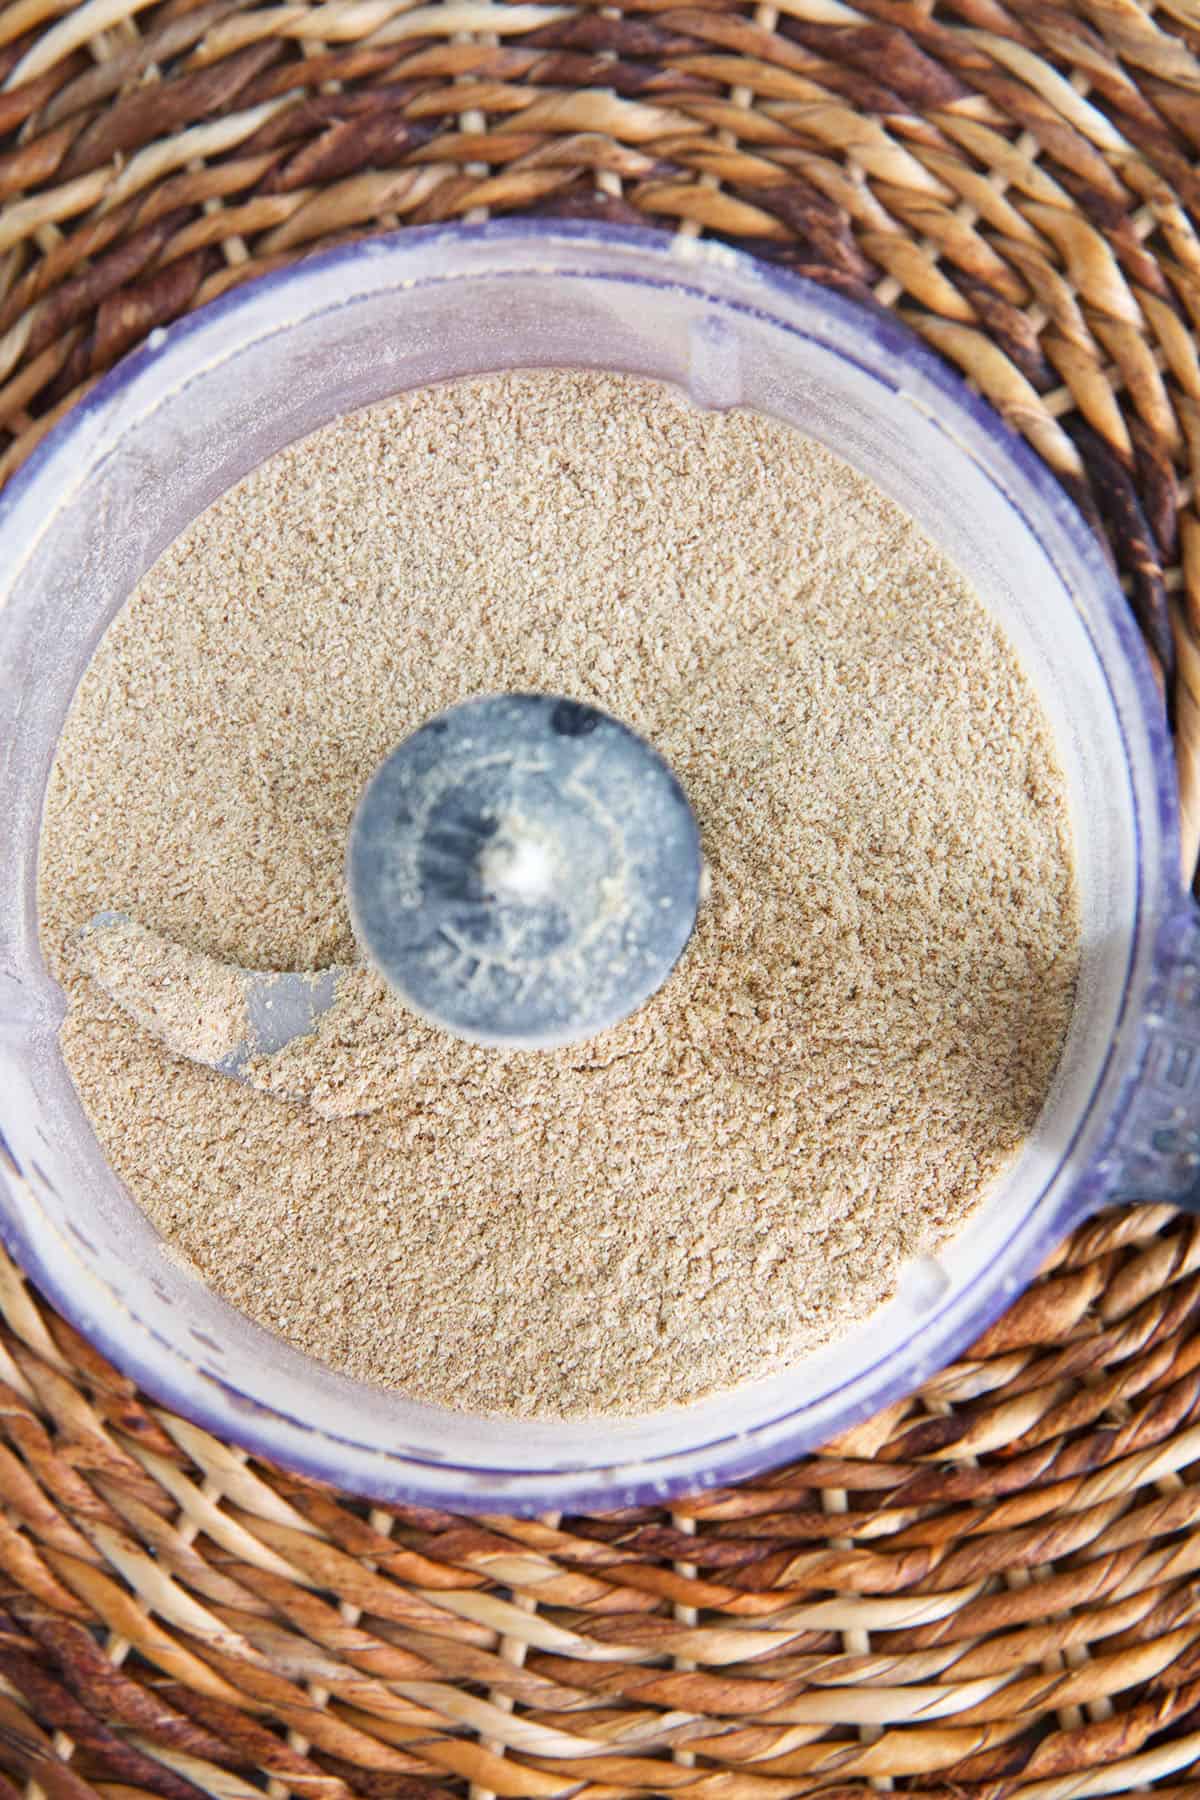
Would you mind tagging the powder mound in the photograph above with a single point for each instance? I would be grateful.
(196, 1004)
(856, 1042)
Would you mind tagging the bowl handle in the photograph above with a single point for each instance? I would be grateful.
(1157, 1152)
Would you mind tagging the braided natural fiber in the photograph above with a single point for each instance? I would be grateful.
(993, 1589)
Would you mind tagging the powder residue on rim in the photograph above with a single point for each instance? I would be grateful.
(859, 1037)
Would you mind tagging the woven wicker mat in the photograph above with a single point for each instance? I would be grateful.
(990, 1590)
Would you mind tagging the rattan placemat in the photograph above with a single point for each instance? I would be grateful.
(990, 1590)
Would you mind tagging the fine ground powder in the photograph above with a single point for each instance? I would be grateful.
(859, 1036)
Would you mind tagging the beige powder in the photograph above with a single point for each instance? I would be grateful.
(859, 1036)
(194, 1003)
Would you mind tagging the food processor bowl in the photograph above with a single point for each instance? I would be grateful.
(202, 403)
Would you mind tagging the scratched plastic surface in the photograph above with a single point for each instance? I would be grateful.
(523, 870)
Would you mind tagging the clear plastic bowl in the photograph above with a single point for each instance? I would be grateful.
(202, 403)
